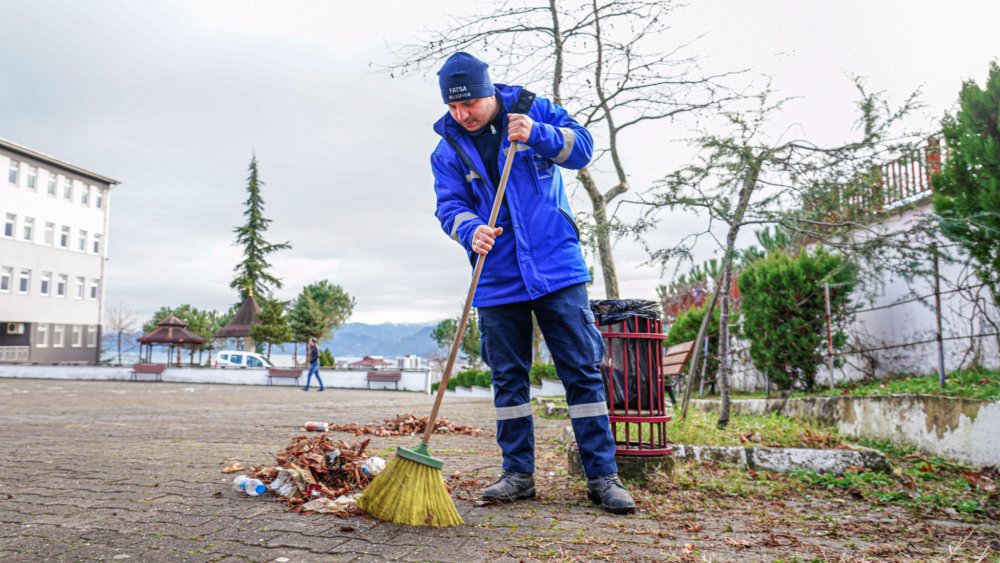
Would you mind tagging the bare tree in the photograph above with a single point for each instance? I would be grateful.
(121, 319)
(743, 177)
(605, 62)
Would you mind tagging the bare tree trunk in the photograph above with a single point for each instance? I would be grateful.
(696, 355)
(557, 47)
(536, 340)
(749, 183)
(601, 232)
(119, 347)
(295, 355)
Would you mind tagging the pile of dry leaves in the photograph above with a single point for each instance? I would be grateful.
(406, 425)
(316, 474)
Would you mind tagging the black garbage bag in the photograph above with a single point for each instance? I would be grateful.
(629, 365)
(616, 310)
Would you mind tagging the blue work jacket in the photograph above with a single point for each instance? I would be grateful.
(539, 251)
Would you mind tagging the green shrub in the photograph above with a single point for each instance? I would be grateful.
(325, 358)
(435, 386)
(452, 384)
(784, 313)
(685, 329)
(540, 371)
(484, 379)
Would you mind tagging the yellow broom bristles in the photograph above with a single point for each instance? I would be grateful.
(411, 493)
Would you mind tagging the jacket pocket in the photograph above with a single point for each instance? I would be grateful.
(572, 223)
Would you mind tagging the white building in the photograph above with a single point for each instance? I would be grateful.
(53, 246)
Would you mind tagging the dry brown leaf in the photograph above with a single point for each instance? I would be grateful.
(234, 468)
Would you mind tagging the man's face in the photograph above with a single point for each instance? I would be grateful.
(475, 113)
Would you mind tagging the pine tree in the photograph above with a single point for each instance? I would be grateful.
(252, 276)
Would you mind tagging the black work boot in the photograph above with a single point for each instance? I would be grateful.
(609, 492)
(510, 487)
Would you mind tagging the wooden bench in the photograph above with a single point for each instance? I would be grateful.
(155, 369)
(674, 360)
(292, 373)
(384, 376)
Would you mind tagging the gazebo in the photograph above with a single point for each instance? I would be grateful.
(174, 333)
(239, 326)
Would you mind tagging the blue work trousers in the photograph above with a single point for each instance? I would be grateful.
(313, 370)
(571, 335)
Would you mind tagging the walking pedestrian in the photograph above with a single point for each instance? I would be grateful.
(313, 365)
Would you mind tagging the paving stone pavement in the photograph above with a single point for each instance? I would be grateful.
(126, 471)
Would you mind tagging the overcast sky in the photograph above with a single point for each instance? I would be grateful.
(173, 97)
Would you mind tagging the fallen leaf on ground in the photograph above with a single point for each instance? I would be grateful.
(234, 468)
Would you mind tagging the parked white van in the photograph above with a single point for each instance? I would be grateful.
(241, 359)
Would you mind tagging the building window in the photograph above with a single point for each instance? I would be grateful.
(50, 233)
(24, 282)
(32, 177)
(83, 241)
(58, 332)
(8, 225)
(64, 237)
(61, 285)
(42, 336)
(97, 243)
(46, 283)
(52, 184)
(15, 167)
(6, 278)
(77, 336)
(68, 189)
(78, 288)
(99, 200)
(85, 195)
(94, 286)
(29, 229)
(92, 336)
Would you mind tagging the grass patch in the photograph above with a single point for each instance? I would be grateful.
(775, 430)
(973, 384)
(921, 483)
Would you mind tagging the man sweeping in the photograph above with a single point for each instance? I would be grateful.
(535, 266)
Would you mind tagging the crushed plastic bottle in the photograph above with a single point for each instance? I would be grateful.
(282, 485)
(317, 426)
(372, 466)
(252, 487)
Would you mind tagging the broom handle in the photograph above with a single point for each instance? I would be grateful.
(497, 200)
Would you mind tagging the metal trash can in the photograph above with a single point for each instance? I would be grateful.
(632, 369)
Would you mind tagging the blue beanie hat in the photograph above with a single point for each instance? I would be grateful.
(463, 77)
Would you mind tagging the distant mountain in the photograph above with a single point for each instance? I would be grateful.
(386, 339)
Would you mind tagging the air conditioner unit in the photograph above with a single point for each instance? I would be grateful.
(15, 328)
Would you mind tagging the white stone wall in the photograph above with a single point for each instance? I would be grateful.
(414, 380)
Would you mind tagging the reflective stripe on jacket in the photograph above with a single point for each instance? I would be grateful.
(539, 251)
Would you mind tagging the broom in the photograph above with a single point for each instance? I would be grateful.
(410, 490)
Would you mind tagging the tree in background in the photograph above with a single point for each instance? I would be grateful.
(444, 336)
(784, 313)
(252, 273)
(306, 321)
(967, 190)
(121, 320)
(744, 176)
(334, 303)
(273, 327)
(605, 62)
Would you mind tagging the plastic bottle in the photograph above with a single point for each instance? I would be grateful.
(252, 487)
